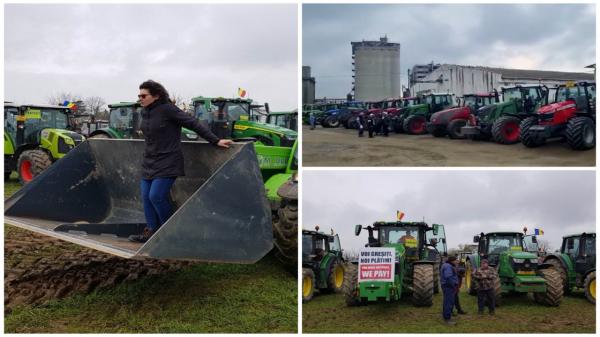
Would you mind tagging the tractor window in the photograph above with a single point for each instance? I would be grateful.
(121, 118)
(202, 112)
(429, 99)
(575, 250)
(500, 243)
(470, 101)
(335, 245)
(530, 245)
(408, 236)
(590, 246)
(439, 239)
(233, 111)
(307, 245)
(10, 119)
(511, 93)
(565, 93)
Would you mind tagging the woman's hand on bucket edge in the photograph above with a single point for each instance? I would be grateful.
(225, 143)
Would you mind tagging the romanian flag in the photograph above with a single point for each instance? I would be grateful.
(538, 232)
(399, 215)
(241, 92)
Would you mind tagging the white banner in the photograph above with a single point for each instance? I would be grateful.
(376, 264)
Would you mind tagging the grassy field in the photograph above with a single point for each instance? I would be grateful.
(201, 298)
(518, 314)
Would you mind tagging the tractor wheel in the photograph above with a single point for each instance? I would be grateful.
(100, 135)
(350, 286)
(454, 129)
(352, 124)
(415, 125)
(581, 133)
(438, 133)
(31, 163)
(505, 130)
(436, 278)
(554, 288)
(308, 284)
(526, 135)
(590, 287)
(335, 279)
(469, 282)
(285, 231)
(556, 265)
(331, 122)
(422, 285)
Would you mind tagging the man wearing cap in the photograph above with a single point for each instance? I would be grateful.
(485, 278)
(449, 282)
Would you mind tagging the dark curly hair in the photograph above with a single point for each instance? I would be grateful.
(156, 89)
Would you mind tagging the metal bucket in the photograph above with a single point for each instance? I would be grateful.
(92, 197)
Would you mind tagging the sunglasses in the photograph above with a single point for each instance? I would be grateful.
(142, 96)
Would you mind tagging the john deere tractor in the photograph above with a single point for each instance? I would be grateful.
(284, 119)
(322, 263)
(500, 121)
(125, 123)
(34, 137)
(572, 116)
(576, 263)
(418, 249)
(232, 118)
(510, 253)
(414, 118)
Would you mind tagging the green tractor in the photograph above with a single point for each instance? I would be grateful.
(418, 249)
(284, 119)
(501, 121)
(414, 118)
(322, 263)
(232, 118)
(576, 263)
(125, 122)
(514, 256)
(35, 136)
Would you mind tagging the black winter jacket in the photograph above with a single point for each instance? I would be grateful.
(161, 125)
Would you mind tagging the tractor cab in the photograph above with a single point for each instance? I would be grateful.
(476, 101)
(322, 263)
(126, 119)
(527, 98)
(583, 94)
(232, 118)
(316, 245)
(437, 102)
(284, 119)
(581, 248)
(493, 245)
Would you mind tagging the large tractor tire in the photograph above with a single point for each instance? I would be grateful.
(308, 284)
(590, 287)
(285, 229)
(527, 137)
(350, 286)
(335, 279)
(581, 133)
(422, 285)
(436, 278)
(32, 163)
(554, 288)
(415, 125)
(556, 265)
(352, 123)
(453, 129)
(331, 122)
(505, 130)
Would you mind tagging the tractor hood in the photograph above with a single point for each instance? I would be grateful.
(452, 113)
(290, 134)
(554, 107)
(73, 135)
(521, 255)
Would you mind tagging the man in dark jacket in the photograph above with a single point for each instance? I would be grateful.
(360, 124)
(460, 271)
(449, 282)
(486, 278)
(385, 124)
(163, 158)
(371, 124)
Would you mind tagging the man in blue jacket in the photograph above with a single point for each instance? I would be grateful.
(449, 282)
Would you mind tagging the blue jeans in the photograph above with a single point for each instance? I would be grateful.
(157, 205)
(449, 296)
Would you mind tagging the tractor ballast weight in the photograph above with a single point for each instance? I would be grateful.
(91, 197)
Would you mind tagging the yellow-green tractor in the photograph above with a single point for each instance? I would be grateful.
(35, 136)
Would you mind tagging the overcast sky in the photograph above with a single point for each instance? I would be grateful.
(108, 50)
(532, 36)
(465, 202)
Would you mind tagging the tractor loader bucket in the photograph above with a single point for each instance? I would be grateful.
(91, 197)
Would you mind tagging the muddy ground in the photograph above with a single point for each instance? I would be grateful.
(342, 147)
(39, 268)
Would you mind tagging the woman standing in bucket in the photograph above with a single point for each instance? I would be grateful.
(163, 158)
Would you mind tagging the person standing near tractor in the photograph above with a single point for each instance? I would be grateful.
(385, 124)
(460, 271)
(163, 158)
(312, 120)
(485, 277)
(371, 125)
(360, 124)
(449, 282)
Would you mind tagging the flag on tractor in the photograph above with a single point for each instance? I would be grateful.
(399, 215)
(241, 92)
(539, 231)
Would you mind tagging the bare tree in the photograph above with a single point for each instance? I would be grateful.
(95, 104)
(60, 98)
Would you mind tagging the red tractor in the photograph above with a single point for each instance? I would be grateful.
(373, 107)
(572, 116)
(450, 121)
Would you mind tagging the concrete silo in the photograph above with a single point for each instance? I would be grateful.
(376, 67)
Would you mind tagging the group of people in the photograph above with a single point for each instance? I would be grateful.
(451, 281)
(373, 125)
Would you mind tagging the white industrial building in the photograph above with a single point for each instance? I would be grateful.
(376, 67)
(462, 80)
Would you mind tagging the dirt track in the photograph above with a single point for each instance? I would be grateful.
(342, 147)
(39, 268)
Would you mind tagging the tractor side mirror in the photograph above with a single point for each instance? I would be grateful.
(357, 229)
(443, 240)
(570, 244)
(534, 239)
(476, 238)
(436, 229)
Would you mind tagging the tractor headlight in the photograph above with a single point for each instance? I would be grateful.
(519, 260)
(191, 136)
